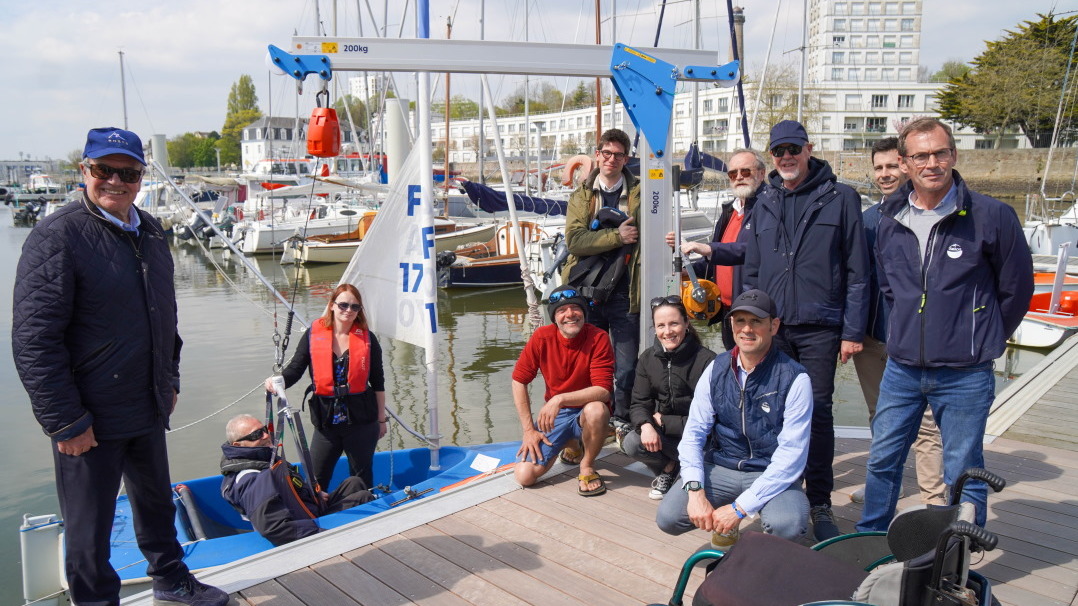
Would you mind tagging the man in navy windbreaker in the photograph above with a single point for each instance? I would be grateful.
(957, 271)
(806, 248)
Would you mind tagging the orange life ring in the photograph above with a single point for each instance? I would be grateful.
(580, 161)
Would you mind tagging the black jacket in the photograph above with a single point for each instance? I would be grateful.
(94, 329)
(665, 382)
(818, 274)
(280, 506)
(729, 253)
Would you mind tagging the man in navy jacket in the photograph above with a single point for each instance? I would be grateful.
(957, 271)
(95, 343)
(806, 248)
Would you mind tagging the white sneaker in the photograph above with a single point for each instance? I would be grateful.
(858, 496)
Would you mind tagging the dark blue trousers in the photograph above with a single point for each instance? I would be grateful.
(816, 348)
(87, 486)
(624, 328)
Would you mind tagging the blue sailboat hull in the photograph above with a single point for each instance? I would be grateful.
(235, 539)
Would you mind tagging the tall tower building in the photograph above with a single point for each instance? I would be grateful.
(874, 41)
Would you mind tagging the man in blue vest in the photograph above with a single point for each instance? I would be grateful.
(746, 438)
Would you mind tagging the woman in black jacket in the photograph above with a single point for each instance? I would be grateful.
(666, 376)
(348, 407)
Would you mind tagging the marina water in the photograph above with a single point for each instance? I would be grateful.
(227, 323)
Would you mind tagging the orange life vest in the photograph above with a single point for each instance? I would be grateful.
(359, 358)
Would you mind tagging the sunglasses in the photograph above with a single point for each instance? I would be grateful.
(670, 300)
(780, 151)
(743, 173)
(562, 294)
(255, 435)
(105, 172)
(348, 306)
(613, 154)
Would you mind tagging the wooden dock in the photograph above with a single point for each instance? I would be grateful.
(547, 545)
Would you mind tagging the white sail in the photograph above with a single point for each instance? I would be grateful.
(394, 267)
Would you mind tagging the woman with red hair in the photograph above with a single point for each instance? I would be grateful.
(348, 405)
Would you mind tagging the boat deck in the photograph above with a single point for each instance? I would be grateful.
(547, 545)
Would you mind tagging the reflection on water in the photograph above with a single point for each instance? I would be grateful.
(228, 322)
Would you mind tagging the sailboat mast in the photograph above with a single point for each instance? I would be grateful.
(445, 159)
(123, 88)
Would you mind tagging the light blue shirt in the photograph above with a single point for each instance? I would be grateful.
(788, 461)
(132, 214)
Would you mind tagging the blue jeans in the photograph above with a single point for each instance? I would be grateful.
(784, 516)
(816, 348)
(960, 399)
(624, 328)
(566, 427)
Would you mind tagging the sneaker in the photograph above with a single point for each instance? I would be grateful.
(725, 540)
(661, 485)
(621, 429)
(858, 496)
(190, 592)
(823, 523)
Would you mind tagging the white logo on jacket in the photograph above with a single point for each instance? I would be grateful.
(954, 251)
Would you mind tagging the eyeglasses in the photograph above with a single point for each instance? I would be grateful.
(943, 156)
(348, 306)
(105, 172)
(255, 435)
(562, 294)
(780, 151)
(613, 154)
(742, 173)
(670, 300)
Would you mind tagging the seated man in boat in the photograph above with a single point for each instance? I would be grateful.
(275, 498)
(577, 364)
(746, 438)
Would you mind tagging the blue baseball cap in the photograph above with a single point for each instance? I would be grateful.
(111, 140)
(788, 131)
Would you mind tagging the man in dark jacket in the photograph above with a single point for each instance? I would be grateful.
(271, 494)
(957, 271)
(722, 257)
(806, 249)
(95, 344)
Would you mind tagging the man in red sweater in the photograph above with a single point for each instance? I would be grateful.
(577, 363)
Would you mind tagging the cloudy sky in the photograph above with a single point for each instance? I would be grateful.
(63, 77)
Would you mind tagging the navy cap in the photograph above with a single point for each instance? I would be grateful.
(756, 302)
(111, 140)
(788, 131)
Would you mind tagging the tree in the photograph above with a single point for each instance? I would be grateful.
(460, 108)
(951, 70)
(542, 97)
(581, 96)
(1015, 83)
(242, 111)
(778, 100)
(351, 108)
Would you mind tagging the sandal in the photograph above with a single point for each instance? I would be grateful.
(571, 456)
(587, 479)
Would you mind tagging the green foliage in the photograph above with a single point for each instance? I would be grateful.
(191, 150)
(951, 70)
(351, 108)
(460, 108)
(542, 97)
(242, 111)
(1016, 82)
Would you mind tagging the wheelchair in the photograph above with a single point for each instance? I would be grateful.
(923, 559)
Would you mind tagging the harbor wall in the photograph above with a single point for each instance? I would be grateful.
(1002, 173)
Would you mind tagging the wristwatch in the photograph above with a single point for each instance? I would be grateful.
(693, 486)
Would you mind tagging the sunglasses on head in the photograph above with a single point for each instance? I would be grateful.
(348, 306)
(105, 172)
(562, 294)
(743, 173)
(255, 435)
(670, 300)
(780, 151)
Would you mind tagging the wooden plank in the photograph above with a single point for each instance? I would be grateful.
(548, 571)
(307, 585)
(1025, 565)
(359, 584)
(405, 581)
(447, 573)
(490, 569)
(1015, 596)
(270, 593)
(1018, 579)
